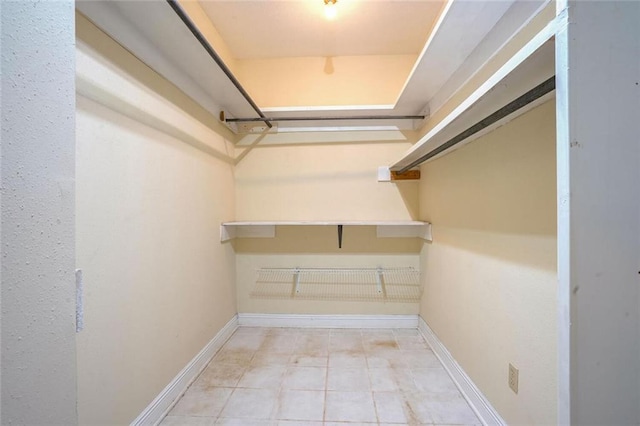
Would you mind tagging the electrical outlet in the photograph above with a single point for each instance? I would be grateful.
(513, 378)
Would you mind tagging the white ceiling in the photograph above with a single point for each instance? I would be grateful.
(294, 28)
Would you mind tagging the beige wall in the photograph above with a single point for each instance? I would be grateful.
(317, 247)
(317, 81)
(247, 265)
(158, 284)
(490, 273)
(336, 181)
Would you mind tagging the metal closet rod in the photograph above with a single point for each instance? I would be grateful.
(218, 60)
(537, 92)
(330, 118)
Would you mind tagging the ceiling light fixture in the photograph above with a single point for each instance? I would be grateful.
(330, 10)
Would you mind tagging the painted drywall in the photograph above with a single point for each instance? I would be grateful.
(248, 264)
(318, 81)
(317, 247)
(38, 287)
(490, 273)
(335, 181)
(599, 211)
(158, 283)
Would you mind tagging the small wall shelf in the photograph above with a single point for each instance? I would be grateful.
(384, 229)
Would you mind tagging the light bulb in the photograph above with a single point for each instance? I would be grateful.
(330, 10)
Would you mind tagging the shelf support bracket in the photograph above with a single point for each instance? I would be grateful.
(380, 280)
(296, 277)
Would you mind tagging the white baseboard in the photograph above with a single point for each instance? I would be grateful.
(328, 321)
(483, 409)
(161, 405)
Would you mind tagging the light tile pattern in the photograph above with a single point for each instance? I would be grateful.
(329, 377)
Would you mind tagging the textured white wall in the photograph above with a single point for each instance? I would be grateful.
(490, 274)
(598, 75)
(38, 232)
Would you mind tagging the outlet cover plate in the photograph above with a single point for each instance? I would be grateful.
(513, 378)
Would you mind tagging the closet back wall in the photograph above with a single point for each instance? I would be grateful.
(332, 181)
(158, 283)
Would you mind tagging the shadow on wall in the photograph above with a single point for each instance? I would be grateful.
(148, 78)
(497, 195)
(342, 137)
(408, 191)
(322, 182)
(324, 239)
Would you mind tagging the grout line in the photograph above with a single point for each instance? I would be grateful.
(297, 338)
(373, 399)
(326, 381)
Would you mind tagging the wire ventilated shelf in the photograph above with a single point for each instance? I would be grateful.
(358, 284)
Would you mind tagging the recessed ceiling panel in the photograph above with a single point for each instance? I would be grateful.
(294, 28)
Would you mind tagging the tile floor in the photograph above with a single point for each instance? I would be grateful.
(331, 377)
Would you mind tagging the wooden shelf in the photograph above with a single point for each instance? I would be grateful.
(267, 229)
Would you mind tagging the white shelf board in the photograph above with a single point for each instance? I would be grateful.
(460, 28)
(154, 33)
(267, 229)
(530, 66)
